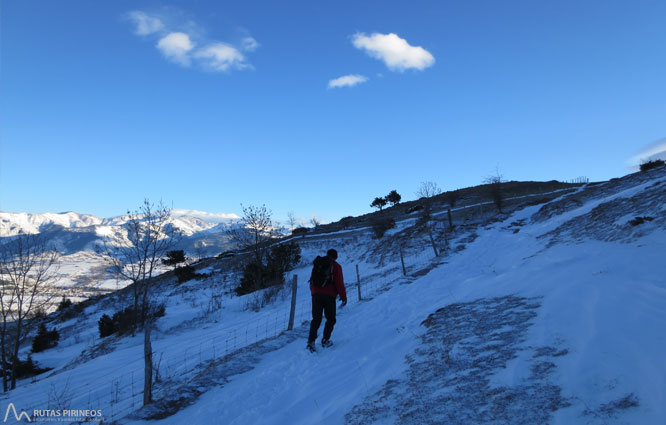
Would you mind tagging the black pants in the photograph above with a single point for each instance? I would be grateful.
(326, 304)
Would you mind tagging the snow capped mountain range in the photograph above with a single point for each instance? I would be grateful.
(12, 224)
(75, 236)
(71, 232)
(188, 221)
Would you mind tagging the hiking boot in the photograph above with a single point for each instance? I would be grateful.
(326, 342)
(311, 346)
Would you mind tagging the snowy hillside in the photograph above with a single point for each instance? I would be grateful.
(552, 312)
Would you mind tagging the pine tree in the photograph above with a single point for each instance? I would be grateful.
(174, 258)
(393, 197)
(379, 203)
(45, 339)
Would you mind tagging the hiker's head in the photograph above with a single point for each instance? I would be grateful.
(332, 253)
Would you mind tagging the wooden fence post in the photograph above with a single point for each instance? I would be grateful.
(402, 261)
(358, 281)
(292, 313)
(432, 241)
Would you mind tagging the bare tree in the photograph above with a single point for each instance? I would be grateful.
(199, 251)
(254, 231)
(28, 270)
(150, 235)
(425, 193)
(496, 189)
(315, 221)
(7, 301)
(292, 221)
(428, 189)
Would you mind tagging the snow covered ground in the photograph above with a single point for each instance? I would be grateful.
(540, 318)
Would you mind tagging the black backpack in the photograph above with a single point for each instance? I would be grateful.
(322, 272)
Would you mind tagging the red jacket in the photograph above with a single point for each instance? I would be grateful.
(338, 287)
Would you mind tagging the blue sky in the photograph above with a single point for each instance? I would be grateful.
(210, 104)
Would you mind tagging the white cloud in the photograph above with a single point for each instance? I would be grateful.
(221, 57)
(179, 41)
(397, 54)
(176, 47)
(144, 23)
(249, 44)
(655, 150)
(347, 81)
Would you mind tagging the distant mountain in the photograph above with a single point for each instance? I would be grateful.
(12, 224)
(71, 232)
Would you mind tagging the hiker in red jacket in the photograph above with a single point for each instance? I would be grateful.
(323, 300)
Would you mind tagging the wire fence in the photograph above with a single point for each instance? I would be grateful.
(120, 392)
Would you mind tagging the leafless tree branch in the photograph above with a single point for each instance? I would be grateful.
(28, 271)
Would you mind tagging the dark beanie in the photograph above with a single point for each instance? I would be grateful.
(332, 253)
